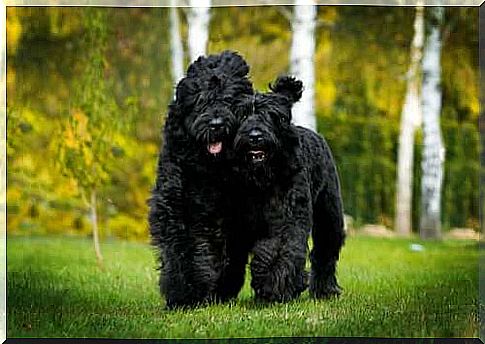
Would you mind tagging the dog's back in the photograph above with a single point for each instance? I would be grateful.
(317, 159)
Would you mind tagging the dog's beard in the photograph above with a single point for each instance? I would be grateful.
(259, 174)
(256, 166)
(213, 143)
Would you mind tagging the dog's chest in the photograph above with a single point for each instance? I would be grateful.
(205, 200)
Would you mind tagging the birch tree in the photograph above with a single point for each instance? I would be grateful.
(433, 149)
(410, 118)
(198, 19)
(302, 64)
(85, 148)
(176, 49)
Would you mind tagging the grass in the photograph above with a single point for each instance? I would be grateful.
(55, 289)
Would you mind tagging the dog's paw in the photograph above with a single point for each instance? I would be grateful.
(325, 288)
(280, 287)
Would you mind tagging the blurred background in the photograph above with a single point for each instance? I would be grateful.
(88, 89)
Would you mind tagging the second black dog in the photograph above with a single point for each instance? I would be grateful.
(290, 188)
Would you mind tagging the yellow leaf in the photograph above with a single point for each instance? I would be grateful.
(69, 139)
(81, 121)
(14, 31)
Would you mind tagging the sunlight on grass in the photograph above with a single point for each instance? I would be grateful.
(55, 289)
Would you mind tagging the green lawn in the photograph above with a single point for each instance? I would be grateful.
(55, 289)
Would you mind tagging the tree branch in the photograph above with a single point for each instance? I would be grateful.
(285, 12)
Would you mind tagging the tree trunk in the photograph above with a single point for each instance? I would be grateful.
(302, 61)
(433, 150)
(176, 49)
(94, 224)
(410, 118)
(198, 18)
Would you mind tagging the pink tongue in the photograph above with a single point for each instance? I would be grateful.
(215, 148)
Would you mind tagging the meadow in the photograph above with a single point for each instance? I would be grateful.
(55, 289)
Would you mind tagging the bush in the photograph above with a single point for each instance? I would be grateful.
(365, 151)
(126, 227)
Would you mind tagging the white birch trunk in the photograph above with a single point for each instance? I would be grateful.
(302, 61)
(198, 19)
(433, 149)
(410, 118)
(176, 48)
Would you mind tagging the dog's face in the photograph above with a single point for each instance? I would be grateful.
(212, 124)
(257, 137)
(205, 99)
(265, 130)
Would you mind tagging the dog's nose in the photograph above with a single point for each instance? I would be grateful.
(216, 123)
(255, 136)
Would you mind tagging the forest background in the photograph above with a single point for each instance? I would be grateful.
(361, 59)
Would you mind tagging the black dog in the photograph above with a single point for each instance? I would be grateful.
(290, 187)
(190, 202)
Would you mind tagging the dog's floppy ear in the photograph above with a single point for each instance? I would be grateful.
(187, 92)
(289, 86)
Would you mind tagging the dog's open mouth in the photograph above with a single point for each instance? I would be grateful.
(214, 148)
(257, 155)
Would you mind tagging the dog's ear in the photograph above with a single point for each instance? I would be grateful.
(187, 93)
(289, 86)
(174, 130)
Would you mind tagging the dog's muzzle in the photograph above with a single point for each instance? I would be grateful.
(216, 133)
(256, 153)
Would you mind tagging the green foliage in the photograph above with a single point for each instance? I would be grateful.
(126, 227)
(365, 152)
(55, 290)
(261, 34)
(86, 146)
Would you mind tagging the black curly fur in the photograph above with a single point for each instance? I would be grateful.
(189, 207)
(289, 188)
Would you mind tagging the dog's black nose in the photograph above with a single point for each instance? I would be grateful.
(255, 136)
(216, 123)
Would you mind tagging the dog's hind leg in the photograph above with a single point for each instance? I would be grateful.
(328, 237)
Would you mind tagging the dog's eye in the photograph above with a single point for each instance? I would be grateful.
(284, 120)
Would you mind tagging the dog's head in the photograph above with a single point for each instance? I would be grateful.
(203, 109)
(266, 139)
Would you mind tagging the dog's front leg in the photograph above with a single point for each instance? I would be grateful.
(278, 264)
(170, 235)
